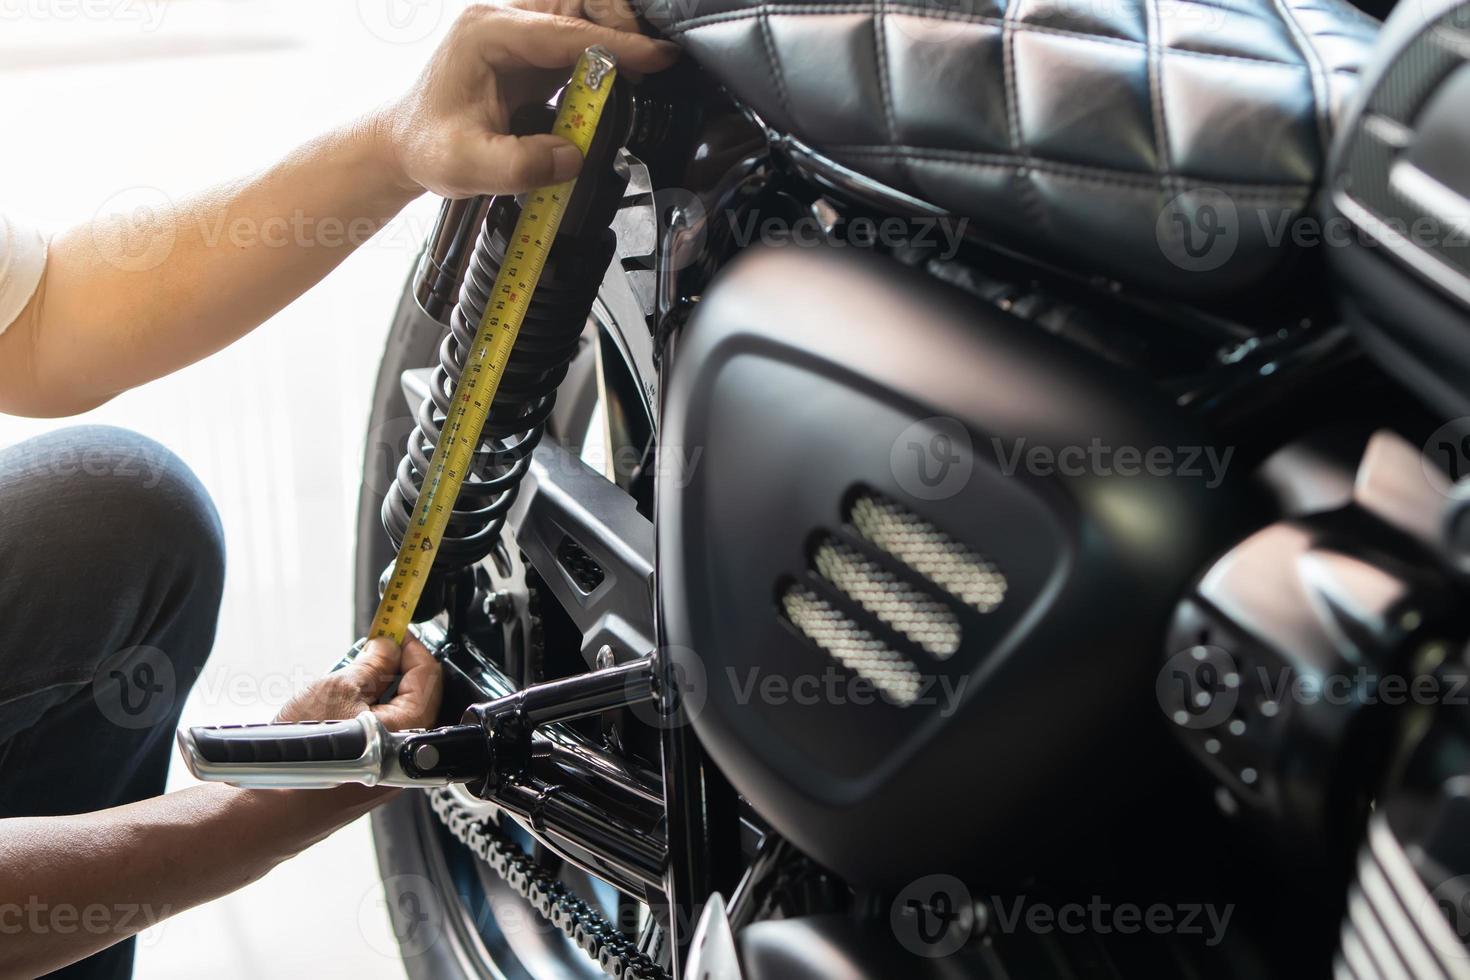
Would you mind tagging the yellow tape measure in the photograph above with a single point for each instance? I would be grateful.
(581, 108)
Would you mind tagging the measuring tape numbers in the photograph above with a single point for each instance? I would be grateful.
(583, 101)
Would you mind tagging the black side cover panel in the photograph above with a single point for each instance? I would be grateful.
(915, 559)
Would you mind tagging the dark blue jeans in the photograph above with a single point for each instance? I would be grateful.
(111, 568)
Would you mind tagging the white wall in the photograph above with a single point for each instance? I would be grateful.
(101, 97)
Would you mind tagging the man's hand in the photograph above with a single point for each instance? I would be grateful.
(451, 134)
(356, 688)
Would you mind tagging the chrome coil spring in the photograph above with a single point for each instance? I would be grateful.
(543, 350)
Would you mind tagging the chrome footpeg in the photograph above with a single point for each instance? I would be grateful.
(322, 754)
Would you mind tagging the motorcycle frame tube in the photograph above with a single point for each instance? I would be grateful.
(700, 805)
(689, 877)
(618, 829)
(567, 699)
(596, 771)
(615, 844)
(593, 809)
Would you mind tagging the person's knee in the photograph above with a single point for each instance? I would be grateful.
(153, 499)
(117, 486)
(105, 520)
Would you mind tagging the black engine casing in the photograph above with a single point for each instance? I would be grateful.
(810, 378)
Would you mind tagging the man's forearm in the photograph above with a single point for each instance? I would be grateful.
(70, 886)
(123, 302)
(132, 297)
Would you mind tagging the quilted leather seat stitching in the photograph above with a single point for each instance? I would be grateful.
(885, 86)
(1160, 118)
(1255, 161)
(1314, 65)
(775, 62)
(764, 10)
(1035, 209)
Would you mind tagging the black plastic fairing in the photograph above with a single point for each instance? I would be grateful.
(811, 380)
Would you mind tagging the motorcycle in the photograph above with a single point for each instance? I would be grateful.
(972, 497)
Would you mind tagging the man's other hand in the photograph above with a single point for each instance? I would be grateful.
(357, 687)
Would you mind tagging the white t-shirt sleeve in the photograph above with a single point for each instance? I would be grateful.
(22, 260)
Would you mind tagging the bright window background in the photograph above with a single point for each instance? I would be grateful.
(101, 97)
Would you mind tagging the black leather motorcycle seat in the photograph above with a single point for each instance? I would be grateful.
(1168, 143)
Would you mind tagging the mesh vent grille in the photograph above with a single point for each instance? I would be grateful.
(928, 623)
(969, 577)
(852, 646)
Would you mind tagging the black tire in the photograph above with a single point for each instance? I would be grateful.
(410, 862)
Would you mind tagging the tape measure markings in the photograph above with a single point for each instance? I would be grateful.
(489, 354)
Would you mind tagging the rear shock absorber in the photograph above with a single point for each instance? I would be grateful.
(584, 248)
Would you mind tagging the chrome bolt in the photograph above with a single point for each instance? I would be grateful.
(500, 606)
(426, 757)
